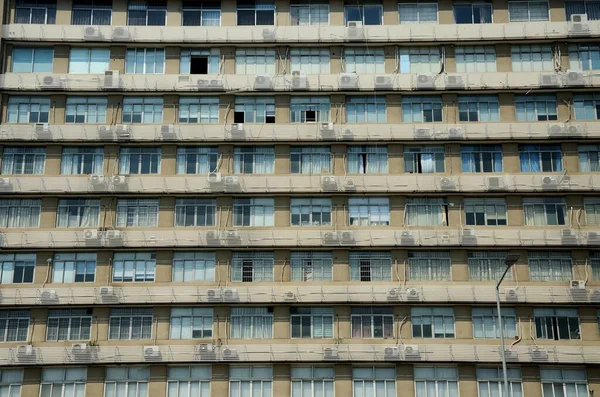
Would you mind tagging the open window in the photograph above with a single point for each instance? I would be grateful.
(199, 64)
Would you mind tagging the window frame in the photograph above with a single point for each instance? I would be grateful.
(145, 317)
(68, 318)
(143, 268)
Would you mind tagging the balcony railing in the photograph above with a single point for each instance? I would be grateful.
(406, 183)
(449, 33)
(386, 351)
(298, 132)
(292, 237)
(237, 293)
(301, 83)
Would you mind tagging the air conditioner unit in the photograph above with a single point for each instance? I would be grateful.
(326, 127)
(347, 236)
(567, 233)
(213, 294)
(79, 348)
(42, 129)
(105, 132)
(469, 233)
(411, 351)
(214, 177)
(229, 354)
(97, 180)
(447, 184)
(107, 291)
(330, 237)
(5, 182)
(575, 130)
(349, 184)
(263, 82)
(578, 18)
(406, 238)
(538, 353)
(455, 82)
(393, 294)
(383, 83)
(510, 294)
(229, 294)
(550, 80)
(151, 351)
(52, 82)
(422, 133)
(269, 34)
(578, 23)
(577, 284)
(299, 81)
(48, 295)
(355, 24)
(495, 183)
(330, 353)
(205, 348)
(25, 351)
(92, 33)
(230, 180)
(510, 354)
(556, 130)
(90, 234)
(289, 296)
(120, 33)
(348, 81)
(391, 352)
(210, 84)
(112, 81)
(119, 180)
(123, 131)
(412, 293)
(425, 81)
(168, 131)
(213, 236)
(231, 234)
(593, 238)
(237, 130)
(355, 31)
(549, 181)
(113, 234)
(328, 181)
(455, 132)
(574, 78)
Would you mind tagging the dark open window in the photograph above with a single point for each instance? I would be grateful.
(198, 64)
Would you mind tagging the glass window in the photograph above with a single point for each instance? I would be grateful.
(195, 212)
(550, 266)
(475, 58)
(134, 267)
(191, 323)
(473, 13)
(589, 8)
(254, 110)
(32, 60)
(20, 213)
(482, 108)
(370, 266)
(309, 60)
(426, 212)
(429, 265)
(485, 322)
(252, 266)
(256, 212)
(485, 212)
(421, 109)
(309, 12)
(23, 160)
(130, 324)
(311, 322)
(312, 381)
(138, 110)
(419, 59)
(374, 381)
(481, 158)
(544, 211)
(255, 13)
(436, 381)
(194, 266)
(432, 322)
(252, 323)
(139, 160)
(78, 213)
(556, 324)
(88, 110)
(255, 61)
(309, 109)
(77, 267)
(532, 57)
(126, 381)
(137, 212)
(536, 107)
(198, 110)
(17, 268)
(490, 382)
(418, 12)
(145, 60)
(595, 264)
(570, 382)
(67, 382)
(310, 159)
(591, 208)
(89, 60)
(310, 211)
(36, 12)
(193, 381)
(200, 61)
(364, 60)
(311, 266)
(423, 159)
(14, 325)
(254, 160)
(200, 13)
(147, 13)
(369, 13)
(197, 160)
(367, 159)
(586, 106)
(251, 381)
(91, 12)
(25, 109)
(11, 381)
(528, 11)
(372, 322)
(68, 324)
(487, 265)
(82, 160)
(589, 158)
(366, 109)
(369, 211)
(540, 158)
(584, 56)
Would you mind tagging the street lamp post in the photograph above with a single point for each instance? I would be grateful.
(510, 260)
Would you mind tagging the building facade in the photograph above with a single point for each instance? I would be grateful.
(280, 198)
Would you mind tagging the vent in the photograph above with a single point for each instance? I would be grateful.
(263, 82)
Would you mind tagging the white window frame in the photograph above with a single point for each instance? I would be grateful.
(528, 11)
(23, 160)
(252, 266)
(250, 381)
(262, 212)
(550, 266)
(309, 266)
(429, 265)
(190, 212)
(295, 8)
(422, 380)
(365, 317)
(134, 212)
(485, 322)
(589, 158)
(364, 60)
(374, 381)
(189, 381)
(422, 59)
(142, 317)
(548, 208)
(189, 320)
(481, 58)
(488, 265)
(127, 378)
(98, 60)
(141, 266)
(546, 320)
(493, 211)
(369, 266)
(419, 5)
(258, 319)
(492, 384)
(28, 109)
(75, 210)
(425, 159)
(150, 110)
(369, 211)
(152, 156)
(69, 320)
(523, 57)
(70, 382)
(66, 267)
(548, 380)
(23, 263)
(321, 320)
(11, 381)
(307, 60)
(318, 381)
(315, 209)
(434, 209)
(201, 266)
(440, 320)
(255, 61)
(20, 213)
(14, 325)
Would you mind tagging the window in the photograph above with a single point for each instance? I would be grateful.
(191, 323)
(88, 110)
(587, 106)
(487, 265)
(418, 12)
(252, 323)
(584, 57)
(138, 110)
(20, 213)
(485, 212)
(200, 13)
(194, 266)
(374, 381)
(423, 159)
(563, 382)
(589, 158)
(78, 213)
(145, 60)
(74, 267)
(372, 322)
(432, 322)
(369, 211)
(483, 108)
(309, 12)
(364, 60)
(421, 109)
(67, 382)
(200, 61)
(485, 322)
(311, 322)
(550, 266)
(309, 61)
(255, 61)
(255, 12)
(311, 266)
(25, 109)
(429, 265)
(23, 160)
(490, 382)
(370, 266)
(419, 59)
(94, 12)
(197, 160)
(556, 324)
(532, 57)
(540, 158)
(198, 110)
(36, 12)
(11, 381)
(367, 159)
(590, 8)
(139, 160)
(254, 160)
(195, 212)
(253, 212)
(14, 325)
(536, 107)
(68, 324)
(528, 11)
(475, 58)
(32, 60)
(473, 13)
(191, 380)
(544, 211)
(592, 211)
(82, 160)
(310, 211)
(254, 110)
(134, 267)
(126, 381)
(252, 266)
(147, 13)
(17, 268)
(310, 159)
(309, 109)
(130, 324)
(369, 12)
(481, 158)
(366, 109)
(250, 381)
(425, 212)
(137, 212)
(89, 60)
(436, 381)
(312, 381)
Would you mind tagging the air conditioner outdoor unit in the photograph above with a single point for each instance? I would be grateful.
(454, 82)
(578, 18)
(90, 234)
(411, 350)
(168, 131)
(107, 291)
(348, 81)
(412, 293)
(575, 130)
(151, 351)
(383, 83)
(25, 351)
(214, 177)
(330, 237)
(79, 348)
(4, 182)
(510, 293)
(229, 354)
(578, 23)
(229, 294)
(347, 236)
(495, 183)
(230, 180)
(97, 180)
(469, 233)
(425, 81)
(213, 236)
(577, 284)
(269, 34)
(574, 78)
(355, 24)
(549, 181)
(42, 129)
(112, 81)
(52, 82)
(330, 353)
(447, 184)
(48, 295)
(328, 181)
(92, 33)
(455, 132)
(550, 80)
(123, 131)
(119, 180)
(231, 234)
(105, 132)
(210, 84)
(391, 352)
(237, 130)
(556, 130)
(326, 127)
(213, 294)
(422, 133)
(205, 348)
(393, 294)
(120, 33)
(349, 184)
(355, 31)
(538, 353)
(263, 82)
(113, 234)
(289, 296)
(299, 81)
